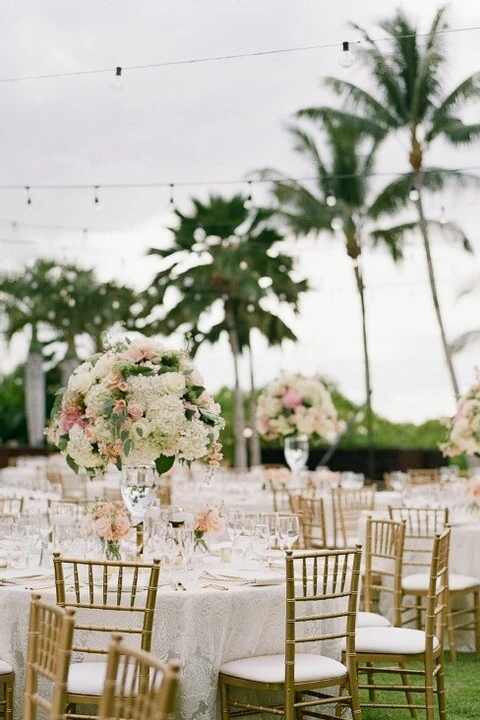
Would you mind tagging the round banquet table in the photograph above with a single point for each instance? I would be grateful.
(201, 627)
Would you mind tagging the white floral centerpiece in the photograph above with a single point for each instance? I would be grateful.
(136, 404)
(297, 405)
(464, 428)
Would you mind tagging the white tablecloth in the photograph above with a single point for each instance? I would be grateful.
(202, 627)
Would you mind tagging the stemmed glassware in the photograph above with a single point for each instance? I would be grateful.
(296, 453)
(288, 530)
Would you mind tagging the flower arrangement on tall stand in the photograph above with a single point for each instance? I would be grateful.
(297, 405)
(209, 520)
(464, 428)
(109, 522)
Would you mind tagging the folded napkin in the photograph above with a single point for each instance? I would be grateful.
(247, 577)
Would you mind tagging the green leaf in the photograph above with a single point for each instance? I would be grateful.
(189, 414)
(127, 447)
(139, 431)
(163, 463)
(72, 464)
(118, 462)
(194, 392)
(108, 406)
(63, 442)
(209, 417)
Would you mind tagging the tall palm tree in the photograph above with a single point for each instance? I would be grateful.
(338, 204)
(408, 73)
(222, 260)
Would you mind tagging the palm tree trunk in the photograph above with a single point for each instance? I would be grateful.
(368, 384)
(69, 362)
(255, 445)
(35, 393)
(240, 451)
(433, 287)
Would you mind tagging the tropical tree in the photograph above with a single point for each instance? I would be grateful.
(408, 75)
(337, 203)
(470, 337)
(22, 297)
(222, 261)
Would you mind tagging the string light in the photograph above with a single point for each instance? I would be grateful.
(346, 58)
(414, 195)
(337, 223)
(443, 216)
(117, 82)
(248, 203)
(96, 199)
(29, 197)
(331, 200)
(234, 56)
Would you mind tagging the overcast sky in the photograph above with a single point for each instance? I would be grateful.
(218, 121)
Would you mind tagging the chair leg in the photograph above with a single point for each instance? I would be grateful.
(450, 630)
(476, 619)
(9, 700)
(370, 680)
(224, 701)
(429, 694)
(355, 701)
(441, 688)
(409, 695)
(418, 606)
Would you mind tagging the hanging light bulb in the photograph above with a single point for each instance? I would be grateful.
(331, 200)
(29, 198)
(347, 58)
(248, 203)
(414, 195)
(443, 216)
(337, 223)
(199, 234)
(117, 82)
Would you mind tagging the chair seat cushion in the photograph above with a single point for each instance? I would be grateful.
(391, 641)
(5, 668)
(420, 581)
(271, 668)
(370, 619)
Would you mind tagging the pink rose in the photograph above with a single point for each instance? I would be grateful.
(122, 386)
(134, 353)
(135, 410)
(119, 406)
(291, 400)
(70, 416)
(196, 378)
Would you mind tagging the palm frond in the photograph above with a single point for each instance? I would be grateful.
(468, 89)
(355, 124)
(392, 198)
(464, 340)
(360, 99)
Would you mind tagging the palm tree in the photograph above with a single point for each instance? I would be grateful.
(408, 73)
(338, 204)
(22, 297)
(470, 337)
(222, 259)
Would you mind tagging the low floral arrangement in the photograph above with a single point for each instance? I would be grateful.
(464, 428)
(293, 405)
(135, 404)
(208, 520)
(110, 522)
(276, 477)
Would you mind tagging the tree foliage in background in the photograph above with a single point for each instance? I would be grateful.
(225, 277)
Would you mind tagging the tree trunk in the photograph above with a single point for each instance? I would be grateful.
(240, 451)
(35, 393)
(368, 384)
(255, 445)
(433, 287)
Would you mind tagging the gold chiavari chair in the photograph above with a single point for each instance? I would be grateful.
(50, 637)
(383, 558)
(312, 522)
(422, 524)
(423, 476)
(11, 506)
(396, 647)
(102, 592)
(137, 685)
(347, 506)
(327, 590)
(7, 681)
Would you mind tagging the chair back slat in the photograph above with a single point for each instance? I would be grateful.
(102, 590)
(347, 506)
(312, 519)
(437, 597)
(422, 524)
(384, 547)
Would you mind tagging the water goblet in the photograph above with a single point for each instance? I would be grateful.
(288, 530)
(296, 452)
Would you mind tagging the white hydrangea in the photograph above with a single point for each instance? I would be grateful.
(81, 451)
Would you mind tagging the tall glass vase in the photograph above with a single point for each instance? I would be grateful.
(138, 486)
(295, 450)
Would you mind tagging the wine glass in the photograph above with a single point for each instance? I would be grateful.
(288, 530)
(296, 452)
